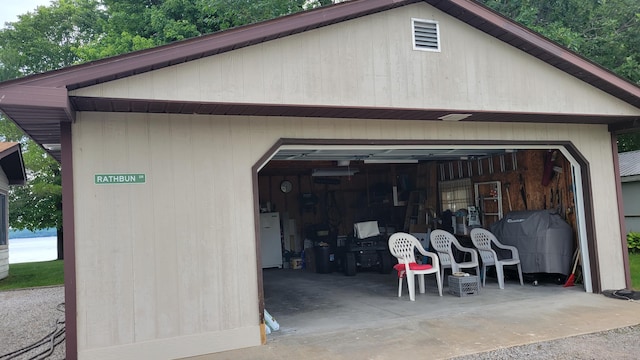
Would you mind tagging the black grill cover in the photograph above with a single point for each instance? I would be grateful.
(544, 240)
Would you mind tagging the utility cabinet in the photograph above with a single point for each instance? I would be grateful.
(489, 201)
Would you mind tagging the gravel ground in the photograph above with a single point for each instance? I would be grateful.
(30, 315)
(623, 343)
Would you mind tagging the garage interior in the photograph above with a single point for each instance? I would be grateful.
(319, 194)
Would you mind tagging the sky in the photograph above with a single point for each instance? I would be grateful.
(10, 9)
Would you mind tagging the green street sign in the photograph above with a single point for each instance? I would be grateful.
(103, 179)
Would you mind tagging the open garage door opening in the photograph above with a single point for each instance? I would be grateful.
(313, 199)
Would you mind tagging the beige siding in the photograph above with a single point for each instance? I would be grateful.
(175, 257)
(370, 61)
(4, 262)
(4, 249)
(155, 260)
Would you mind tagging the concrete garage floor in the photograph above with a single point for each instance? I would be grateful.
(334, 316)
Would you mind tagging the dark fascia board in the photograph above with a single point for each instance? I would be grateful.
(37, 97)
(13, 165)
(627, 127)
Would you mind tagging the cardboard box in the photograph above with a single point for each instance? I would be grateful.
(296, 263)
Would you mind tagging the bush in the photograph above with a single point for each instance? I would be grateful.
(633, 242)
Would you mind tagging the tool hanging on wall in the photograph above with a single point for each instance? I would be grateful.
(557, 170)
(506, 186)
(523, 192)
(549, 162)
(560, 207)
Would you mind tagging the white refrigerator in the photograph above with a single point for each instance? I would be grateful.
(270, 243)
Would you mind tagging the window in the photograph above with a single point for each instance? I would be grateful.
(455, 194)
(426, 35)
(3, 219)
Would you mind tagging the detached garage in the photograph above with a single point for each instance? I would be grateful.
(170, 156)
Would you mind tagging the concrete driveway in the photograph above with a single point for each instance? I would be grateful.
(332, 316)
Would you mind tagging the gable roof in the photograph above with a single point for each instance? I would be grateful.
(11, 163)
(41, 120)
(629, 163)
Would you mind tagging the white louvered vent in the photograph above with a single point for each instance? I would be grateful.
(426, 35)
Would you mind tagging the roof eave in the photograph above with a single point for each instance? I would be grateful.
(13, 165)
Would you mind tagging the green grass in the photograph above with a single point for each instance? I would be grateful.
(634, 265)
(35, 274)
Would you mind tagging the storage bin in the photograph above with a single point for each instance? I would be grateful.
(463, 285)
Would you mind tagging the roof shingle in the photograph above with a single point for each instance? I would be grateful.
(629, 163)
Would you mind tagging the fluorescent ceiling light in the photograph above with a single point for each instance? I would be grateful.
(334, 172)
(454, 117)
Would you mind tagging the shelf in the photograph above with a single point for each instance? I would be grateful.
(490, 206)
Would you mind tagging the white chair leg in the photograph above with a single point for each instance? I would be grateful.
(500, 273)
(421, 282)
(484, 274)
(478, 275)
(439, 284)
(520, 274)
(412, 287)
(399, 286)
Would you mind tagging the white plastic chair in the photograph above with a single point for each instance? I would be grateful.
(403, 246)
(442, 241)
(482, 240)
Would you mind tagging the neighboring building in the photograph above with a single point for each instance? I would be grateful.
(630, 177)
(11, 173)
(161, 151)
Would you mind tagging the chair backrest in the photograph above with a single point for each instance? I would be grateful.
(441, 242)
(402, 246)
(482, 239)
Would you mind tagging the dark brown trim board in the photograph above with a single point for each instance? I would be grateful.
(68, 221)
(256, 220)
(587, 195)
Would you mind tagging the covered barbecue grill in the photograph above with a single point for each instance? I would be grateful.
(544, 240)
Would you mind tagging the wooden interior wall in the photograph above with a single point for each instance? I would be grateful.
(368, 195)
(522, 180)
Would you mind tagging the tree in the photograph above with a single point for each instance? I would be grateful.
(606, 32)
(44, 40)
(140, 24)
